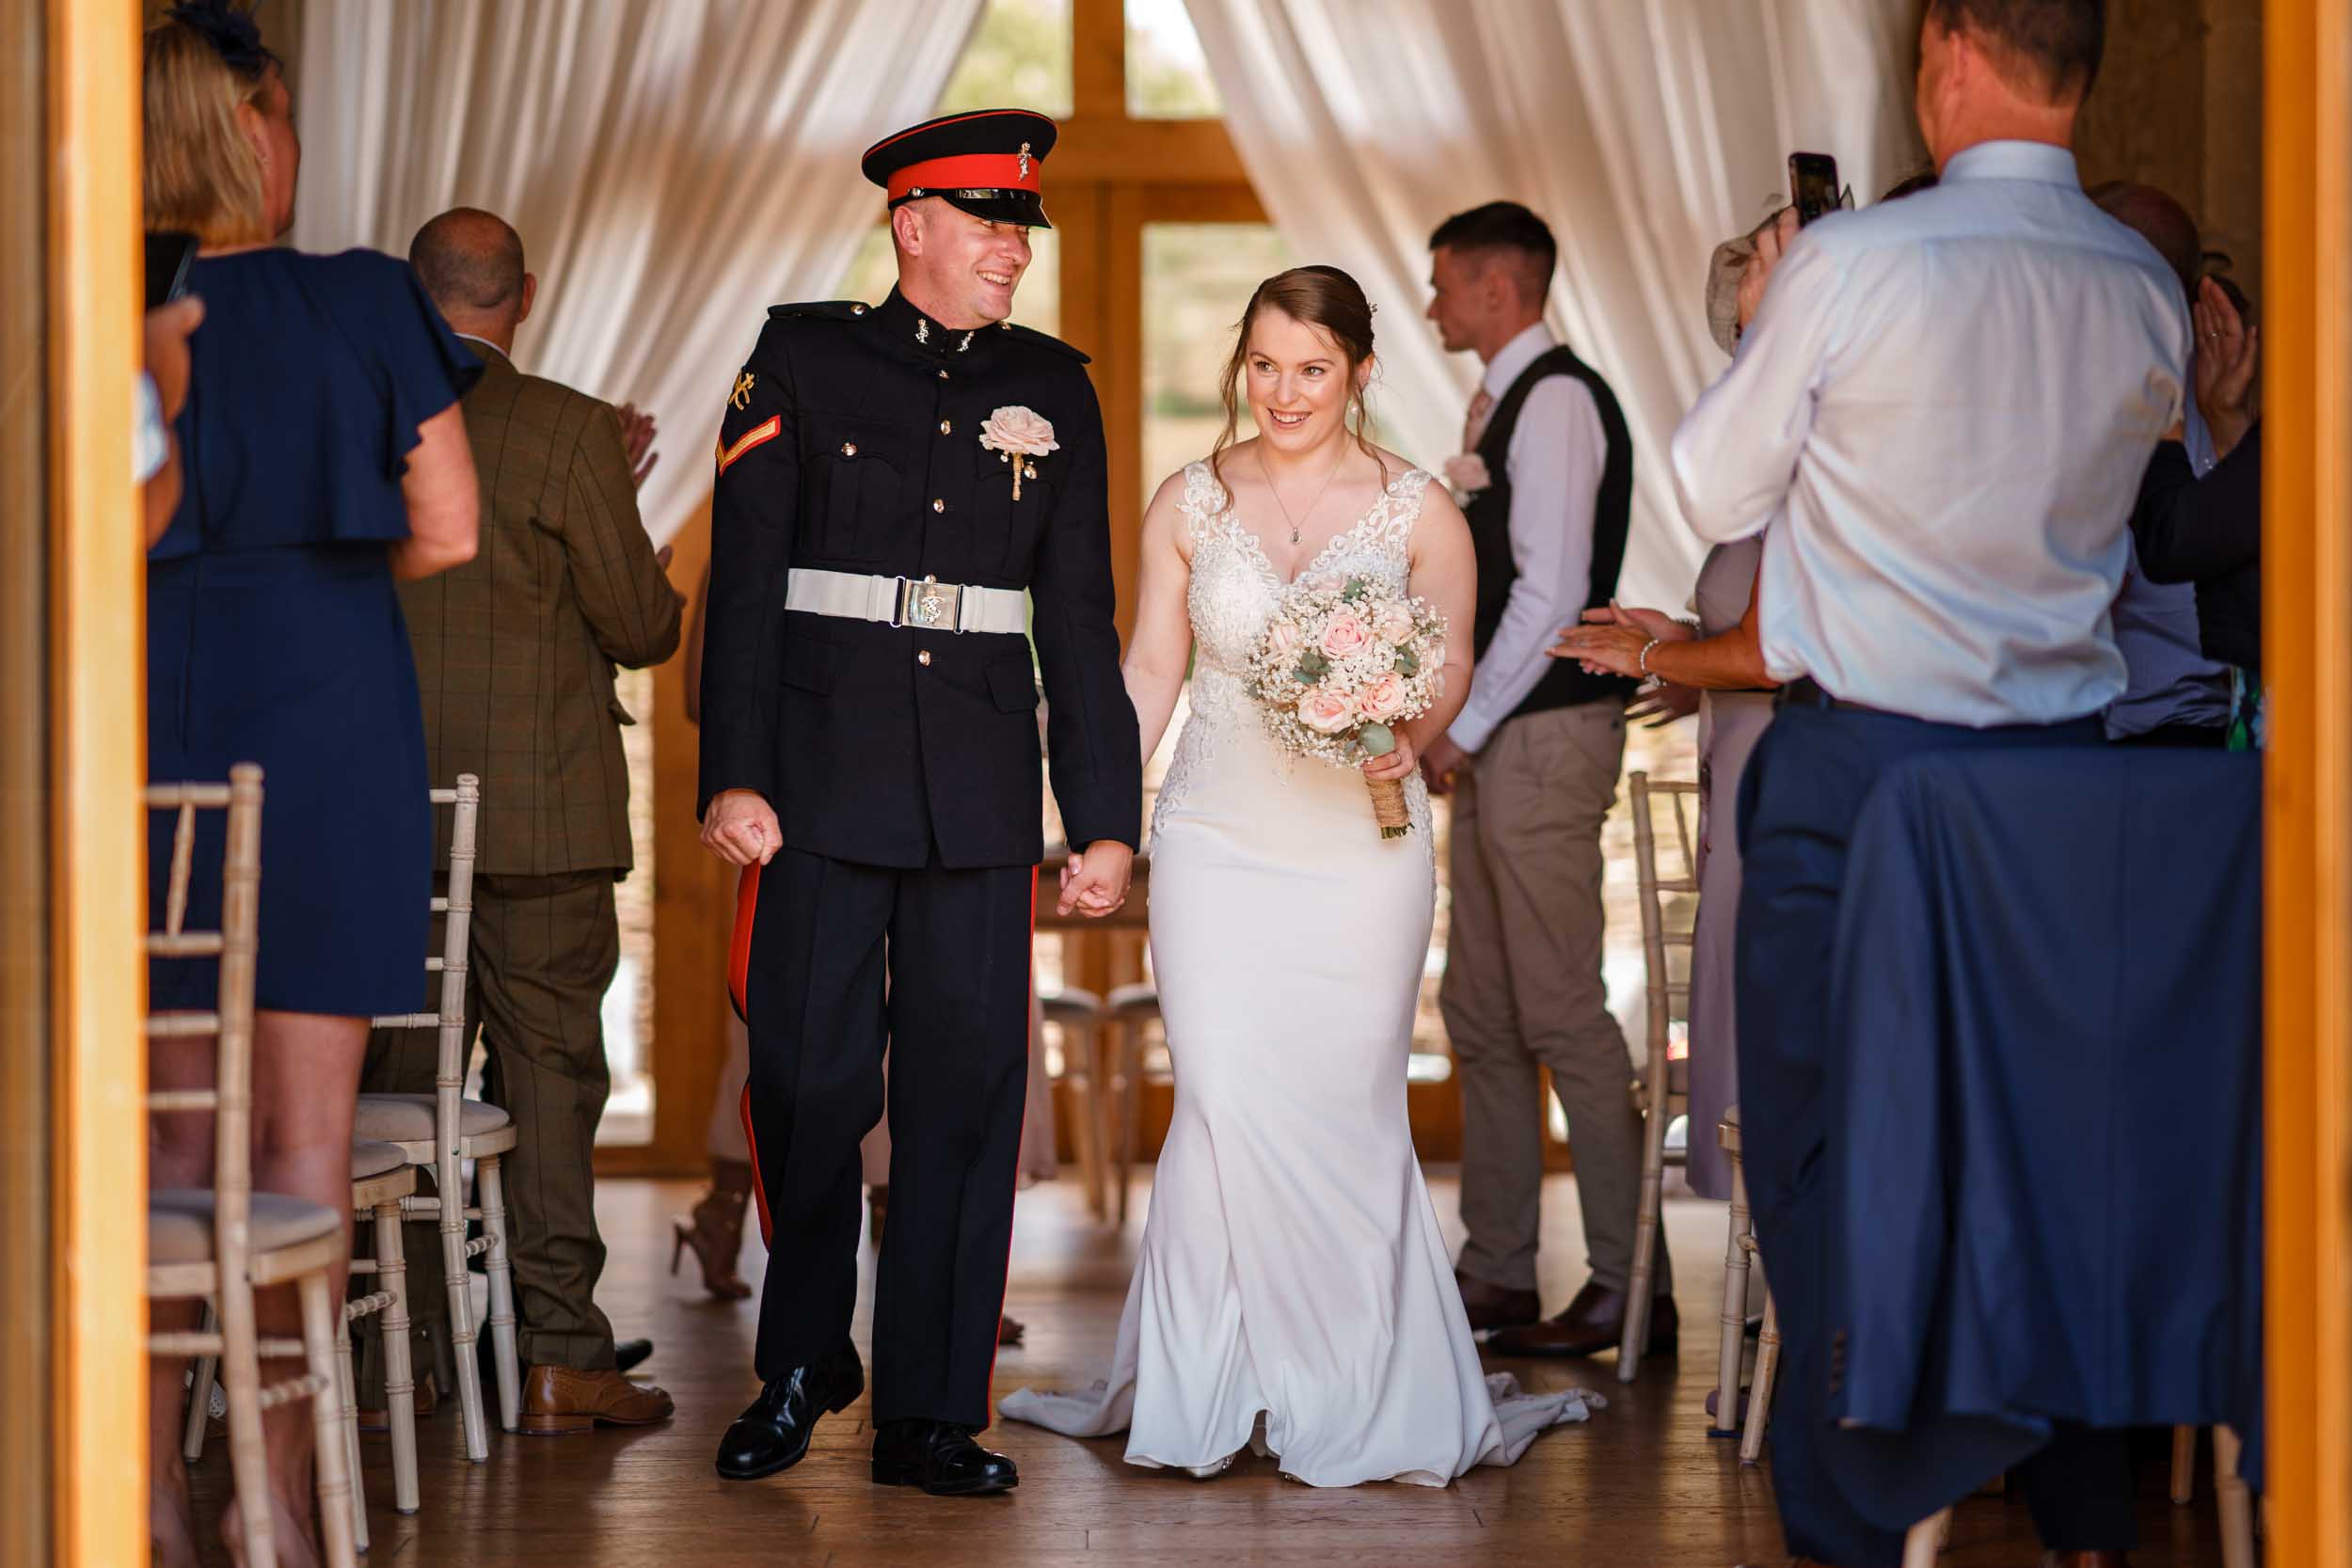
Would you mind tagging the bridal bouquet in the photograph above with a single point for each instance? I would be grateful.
(1339, 667)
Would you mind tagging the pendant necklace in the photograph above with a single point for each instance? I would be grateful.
(1310, 505)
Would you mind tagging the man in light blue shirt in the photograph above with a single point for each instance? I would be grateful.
(1942, 408)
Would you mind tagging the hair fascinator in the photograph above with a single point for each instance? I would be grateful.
(232, 31)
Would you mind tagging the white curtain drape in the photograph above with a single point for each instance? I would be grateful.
(1646, 132)
(675, 168)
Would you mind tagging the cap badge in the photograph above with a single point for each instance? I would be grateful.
(742, 396)
(922, 330)
(1025, 160)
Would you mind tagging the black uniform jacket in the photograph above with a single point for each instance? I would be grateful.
(852, 442)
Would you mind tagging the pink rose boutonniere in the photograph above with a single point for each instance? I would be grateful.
(1016, 435)
(1466, 475)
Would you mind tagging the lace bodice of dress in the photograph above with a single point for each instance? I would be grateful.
(1233, 591)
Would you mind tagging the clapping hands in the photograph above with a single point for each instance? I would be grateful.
(2227, 357)
(637, 434)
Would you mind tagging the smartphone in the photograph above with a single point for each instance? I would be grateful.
(169, 254)
(1812, 184)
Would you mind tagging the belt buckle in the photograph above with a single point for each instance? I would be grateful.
(930, 604)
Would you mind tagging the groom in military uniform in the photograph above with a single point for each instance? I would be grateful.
(903, 491)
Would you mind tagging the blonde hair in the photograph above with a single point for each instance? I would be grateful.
(201, 175)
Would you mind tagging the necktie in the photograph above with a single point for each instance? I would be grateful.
(1475, 426)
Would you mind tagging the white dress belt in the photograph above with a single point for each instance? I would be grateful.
(923, 602)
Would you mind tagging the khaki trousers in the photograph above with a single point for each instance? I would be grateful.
(1524, 990)
(544, 951)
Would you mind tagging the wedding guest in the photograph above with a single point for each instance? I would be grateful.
(516, 654)
(1545, 478)
(324, 457)
(1918, 596)
(2207, 531)
(2176, 695)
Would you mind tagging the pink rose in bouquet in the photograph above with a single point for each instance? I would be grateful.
(1383, 700)
(1342, 664)
(1345, 634)
(1325, 711)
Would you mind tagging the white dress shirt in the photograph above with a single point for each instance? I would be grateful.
(1947, 403)
(1557, 452)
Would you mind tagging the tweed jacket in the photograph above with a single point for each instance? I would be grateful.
(515, 650)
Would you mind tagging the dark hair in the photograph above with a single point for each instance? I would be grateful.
(1323, 298)
(232, 31)
(1503, 225)
(2160, 220)
(468, 260)
(2059, 40)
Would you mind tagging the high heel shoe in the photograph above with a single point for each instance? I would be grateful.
(715, 1231)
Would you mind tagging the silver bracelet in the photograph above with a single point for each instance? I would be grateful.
(1643, 660)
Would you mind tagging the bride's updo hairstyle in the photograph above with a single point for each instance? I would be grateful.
(1322, 297)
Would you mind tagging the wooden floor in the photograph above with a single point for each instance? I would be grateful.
(1640, 1486)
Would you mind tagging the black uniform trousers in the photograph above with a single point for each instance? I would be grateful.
(1798, 800)
(846, 959)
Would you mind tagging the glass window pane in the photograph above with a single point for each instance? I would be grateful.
(1019, 58)
(874, 270)
(1197, 278)
(1167, 76)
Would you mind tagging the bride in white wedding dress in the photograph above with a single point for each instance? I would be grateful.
(1292, 1269)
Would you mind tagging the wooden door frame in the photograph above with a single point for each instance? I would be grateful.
(2307, 662)
(97, 585)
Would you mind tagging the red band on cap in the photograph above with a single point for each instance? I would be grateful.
(997, 171)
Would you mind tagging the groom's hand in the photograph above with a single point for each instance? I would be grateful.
(1095, 883)
(741, 828)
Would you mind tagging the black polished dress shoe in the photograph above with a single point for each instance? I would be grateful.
(942, 1459)
(773, 1434)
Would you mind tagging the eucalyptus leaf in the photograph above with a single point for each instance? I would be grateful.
(1407, 662)
(1357, 588)
(1377, 739)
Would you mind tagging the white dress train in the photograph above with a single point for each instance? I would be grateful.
(1291, 1266)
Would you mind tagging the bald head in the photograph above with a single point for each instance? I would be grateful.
(472, 262)
(2162, 222)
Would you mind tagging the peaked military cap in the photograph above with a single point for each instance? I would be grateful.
(985, 163)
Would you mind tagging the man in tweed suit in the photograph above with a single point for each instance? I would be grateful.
(515, 659)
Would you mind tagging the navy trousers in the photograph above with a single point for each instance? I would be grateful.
(1803, 791)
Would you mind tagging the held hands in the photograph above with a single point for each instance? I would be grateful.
(1772, 241)
(741, 828)
(1094, 884)
(2227, 356)
(637, 434)
(1663, 705)
(1397, 763)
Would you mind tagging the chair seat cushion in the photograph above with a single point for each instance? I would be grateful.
(1140, 1000)
(372, 1158)
(408, 1118)
(1071, 1005)
(179, 1224)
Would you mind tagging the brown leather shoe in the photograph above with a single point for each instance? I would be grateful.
(557, 1400)
(428, 1396)
(1493, 1307)
(1593, 1322)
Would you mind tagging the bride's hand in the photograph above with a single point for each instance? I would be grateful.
(1398, 764)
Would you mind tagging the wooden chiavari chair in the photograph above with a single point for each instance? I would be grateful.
(440, 1131)
(221, 1246)
(1665, 1083)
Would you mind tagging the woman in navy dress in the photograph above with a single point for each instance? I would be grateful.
(324, 457)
